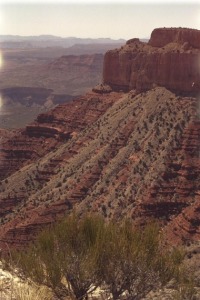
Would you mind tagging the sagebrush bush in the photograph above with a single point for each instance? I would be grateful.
(78, 255)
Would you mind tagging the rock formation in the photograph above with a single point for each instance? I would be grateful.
(132, 154)
(171, 59)
(160, 37)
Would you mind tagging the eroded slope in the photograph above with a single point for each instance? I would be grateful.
(122, 155)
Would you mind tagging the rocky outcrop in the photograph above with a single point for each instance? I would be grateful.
(170, 59)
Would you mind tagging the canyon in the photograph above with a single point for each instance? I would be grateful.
(129, 148)
(25, 94)
(38, 73)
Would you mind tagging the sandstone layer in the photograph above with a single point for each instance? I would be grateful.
(171, 59)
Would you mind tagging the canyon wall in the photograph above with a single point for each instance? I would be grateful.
(171, 59)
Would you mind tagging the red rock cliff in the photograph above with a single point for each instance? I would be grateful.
(171, 59)
(163, 36)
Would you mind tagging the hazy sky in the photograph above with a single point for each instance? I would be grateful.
(115, 19)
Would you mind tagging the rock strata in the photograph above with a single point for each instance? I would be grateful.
(116, 160)
(170, 59)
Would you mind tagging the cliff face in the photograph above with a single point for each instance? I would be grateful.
(171, 59)
(163, 36)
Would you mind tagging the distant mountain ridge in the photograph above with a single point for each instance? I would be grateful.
(11, 41)
(53, 37)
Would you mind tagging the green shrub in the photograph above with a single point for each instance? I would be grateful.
(79, 255)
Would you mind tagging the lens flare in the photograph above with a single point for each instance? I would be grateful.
(1, 60)
(1, 101)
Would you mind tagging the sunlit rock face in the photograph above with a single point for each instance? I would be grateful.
(171, 59)
(163, 36)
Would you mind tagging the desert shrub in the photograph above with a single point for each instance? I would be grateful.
(78, 255)
(78, 245)
(134, 262)
(64, 257)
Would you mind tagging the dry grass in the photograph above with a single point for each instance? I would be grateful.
(13, 287)
(31, 292)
